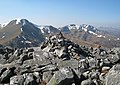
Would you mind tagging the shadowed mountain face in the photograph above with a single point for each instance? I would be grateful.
(22, 33)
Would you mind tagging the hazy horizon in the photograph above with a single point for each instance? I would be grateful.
(62, 12)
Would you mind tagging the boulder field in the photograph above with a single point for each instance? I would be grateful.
(59, 61)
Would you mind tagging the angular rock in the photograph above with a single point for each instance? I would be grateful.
(25, 68)
(113, 76)
(68, 63)
(86, 74)
(2, 69)
(30, 79)
(19, 80)
(3, 61)
(106, 62)
(40, 59)
(92, 62)
(24, 57)
(114, 58)
(87, 82)
(47, 76)
(83, 63)
(105, 68)
(5, 77)
(46, 68)
(61, 53)
(62, 77)
(38, 77)
(95, 75)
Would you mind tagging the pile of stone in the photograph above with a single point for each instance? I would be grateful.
(59, 61)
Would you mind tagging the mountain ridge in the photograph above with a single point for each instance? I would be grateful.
(23, 33)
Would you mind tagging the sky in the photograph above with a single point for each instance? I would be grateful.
(62, 12)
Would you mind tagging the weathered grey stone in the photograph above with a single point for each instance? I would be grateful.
(47, 76)
(61, 53)
(113, 76)
(102, 77)
(113, 58)
(18, 80)
(47, 49)
(83, 64)
(62, 77)
(106, 62)
(103, 53)
(92, 62)
(105, 68)
(86, 74)
(68, 63)
(2, 69)
(87, 82)
(30, 79)
(25, 68)
(94, 75)
(46, 68)
(29, 63)
(30, 50)
(40, 59)
(3, 61)
(24, 57)
(5, 77)
(37, 76)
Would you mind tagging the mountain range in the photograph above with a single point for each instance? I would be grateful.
(21, 33)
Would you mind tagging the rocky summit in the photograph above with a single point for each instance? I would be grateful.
(59, 61)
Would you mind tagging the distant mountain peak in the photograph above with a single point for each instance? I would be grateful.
(20, 33)
(73, 26)
(18, 21)
(22, 21)
(84, 27)
(87, 27)
(47, 29)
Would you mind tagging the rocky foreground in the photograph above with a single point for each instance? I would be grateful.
(59, 61)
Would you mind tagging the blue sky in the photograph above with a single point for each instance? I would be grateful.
(62, 12)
